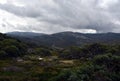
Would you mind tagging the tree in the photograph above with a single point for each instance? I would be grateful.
(66, 75)
(12, 51)
(95, 49)
(42, 52)
(3, 54)
(112, 62)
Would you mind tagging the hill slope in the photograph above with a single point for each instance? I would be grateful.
(10, 47)
(65, 39)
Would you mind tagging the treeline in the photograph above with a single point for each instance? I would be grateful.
(10, 47)
(89, 51)
(100, 68)
(103, 63)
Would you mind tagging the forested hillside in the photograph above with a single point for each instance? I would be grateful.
(25, 62)
(66, 39)
(10, 47)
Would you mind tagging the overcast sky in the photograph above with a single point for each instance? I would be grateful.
(51, 16)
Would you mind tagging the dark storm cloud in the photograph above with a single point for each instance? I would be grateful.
(99, 15)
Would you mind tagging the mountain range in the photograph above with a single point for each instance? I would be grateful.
(66, 39)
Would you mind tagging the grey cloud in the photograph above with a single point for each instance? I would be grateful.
(74, 14)
(20, 11)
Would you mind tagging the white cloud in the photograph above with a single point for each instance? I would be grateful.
(3, 1)
(107, 3)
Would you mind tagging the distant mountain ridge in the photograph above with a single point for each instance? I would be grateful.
(24, 34)
(66, 39)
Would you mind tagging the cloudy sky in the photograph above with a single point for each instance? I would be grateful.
(51, 16)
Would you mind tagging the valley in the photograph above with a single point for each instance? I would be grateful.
(26, 61)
